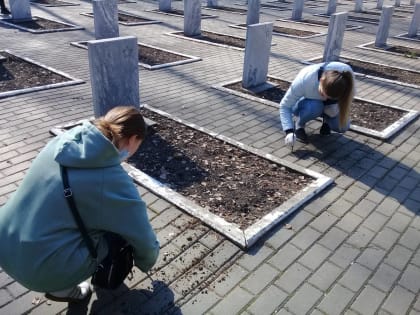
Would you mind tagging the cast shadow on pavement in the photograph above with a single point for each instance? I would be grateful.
(158, 299)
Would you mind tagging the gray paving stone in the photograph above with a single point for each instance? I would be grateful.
(259, 279)
(304, 299)
(386, 238)
(340, 207)
(398, 257)
(220, 255)
(200, 303)
(228, 280)
(344, 255)
(315, 256)
(284, 257)
(333, 238)
(305, 238)
(268, 301)
(398, 301)
(293, 277)
(325, 276)
(368, 301)
(254, 257)
(355, 276)
(375, 221)
(349, 222)
(233, 302)
(5, 297)
(364, 208)
(410, 239)
(336, 300)
(410, 279)
(384, 277)
(323, 222)
(398, 222)
(371, 257)
(361, 237)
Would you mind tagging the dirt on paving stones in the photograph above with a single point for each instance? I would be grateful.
(363, 113)
(230, 182)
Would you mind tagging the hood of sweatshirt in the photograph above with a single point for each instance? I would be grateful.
(84, 146)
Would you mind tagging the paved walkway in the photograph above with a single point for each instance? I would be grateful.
(352, 250)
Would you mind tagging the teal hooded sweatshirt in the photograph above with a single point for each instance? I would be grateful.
(41, 246)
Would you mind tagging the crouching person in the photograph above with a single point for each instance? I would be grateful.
(321, 90)
(42, 246)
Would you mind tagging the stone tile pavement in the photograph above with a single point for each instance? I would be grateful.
(352, 250)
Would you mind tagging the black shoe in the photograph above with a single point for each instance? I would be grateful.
(301, 135)
(325, 129)
(5, 11)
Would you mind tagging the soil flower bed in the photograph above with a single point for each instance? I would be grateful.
(232, 183)
(217, 38)
(38, 23)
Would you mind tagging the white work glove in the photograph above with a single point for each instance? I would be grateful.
(290, 139)
(331, 110)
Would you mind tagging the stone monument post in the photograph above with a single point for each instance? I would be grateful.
(114, 73)
(165, 5)
(412, 2)
(384, 25)
(257, 53)
(192, 17)
(397, 3)
(21, 9)
(335, 36)
(415, 22)
(105, 16)
(332, 7)
(379, 4)
(253, 13)
(359, 6)
(297, 10)
(212, 3)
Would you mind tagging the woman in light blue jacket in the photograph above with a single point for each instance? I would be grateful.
(320, 90)
(41, 246)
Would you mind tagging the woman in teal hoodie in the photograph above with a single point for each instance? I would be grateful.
(41, 246)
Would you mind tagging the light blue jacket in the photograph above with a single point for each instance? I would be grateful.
(305, 85)
(41, 246)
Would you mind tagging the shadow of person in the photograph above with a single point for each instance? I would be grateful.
(157, 299)
(370, 162)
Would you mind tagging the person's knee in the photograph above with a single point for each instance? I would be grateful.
(309, 109)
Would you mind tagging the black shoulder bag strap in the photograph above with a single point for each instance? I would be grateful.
(72, 204)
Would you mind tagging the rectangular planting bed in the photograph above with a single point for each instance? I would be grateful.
(128, 19)
(39, 25)
(213, 38)
(367, 117)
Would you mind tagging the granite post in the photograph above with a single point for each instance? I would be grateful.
(332, 7)
(297, 10)
(397, 3)
(335, 36)
(21, 9)
(379, 4)
(114, 73)
(384, 25)
(253, 13)
(257, 53)
(212, 3)
(165, 5)
(359, 6)
(415, 22)
(105, 16)
(412, 2)
(192, 17)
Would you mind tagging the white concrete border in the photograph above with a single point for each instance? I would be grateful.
(71, 28)
(405, 37)
(348, 28)
(358, 74)
(364, 46)
(383, 134)
(155, 67)
(64, 4)
(224, 11)
(175, 34)
(244, 238)
(73, 81)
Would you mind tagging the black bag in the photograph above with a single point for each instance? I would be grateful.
(116, 266)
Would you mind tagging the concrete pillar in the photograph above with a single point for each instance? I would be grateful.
(212, 3)
(335, 36)
(253, 13)
(21, 9)
(192, 17)
(257, 53)
(379, 4)
(415, 22)
(332, 7)
(165, 5)
(384, 25)
(297, 10)
(105, 16)
(359, 6)
(114, 73)
(397, 3)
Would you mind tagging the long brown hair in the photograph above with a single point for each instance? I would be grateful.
(121, 122)
(339, 86)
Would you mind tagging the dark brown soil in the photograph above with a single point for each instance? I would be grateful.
(153, 56)
(289, 31)
(405, 51)
(229, 9)
(230, 182)
(16, 74)
(382, 71)
(131, 18)
(218, 38)
(38, 23)
(52, 2)
(323, 23)
(363, 114)
(178, 12)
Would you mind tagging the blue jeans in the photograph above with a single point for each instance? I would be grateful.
(309, 109)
